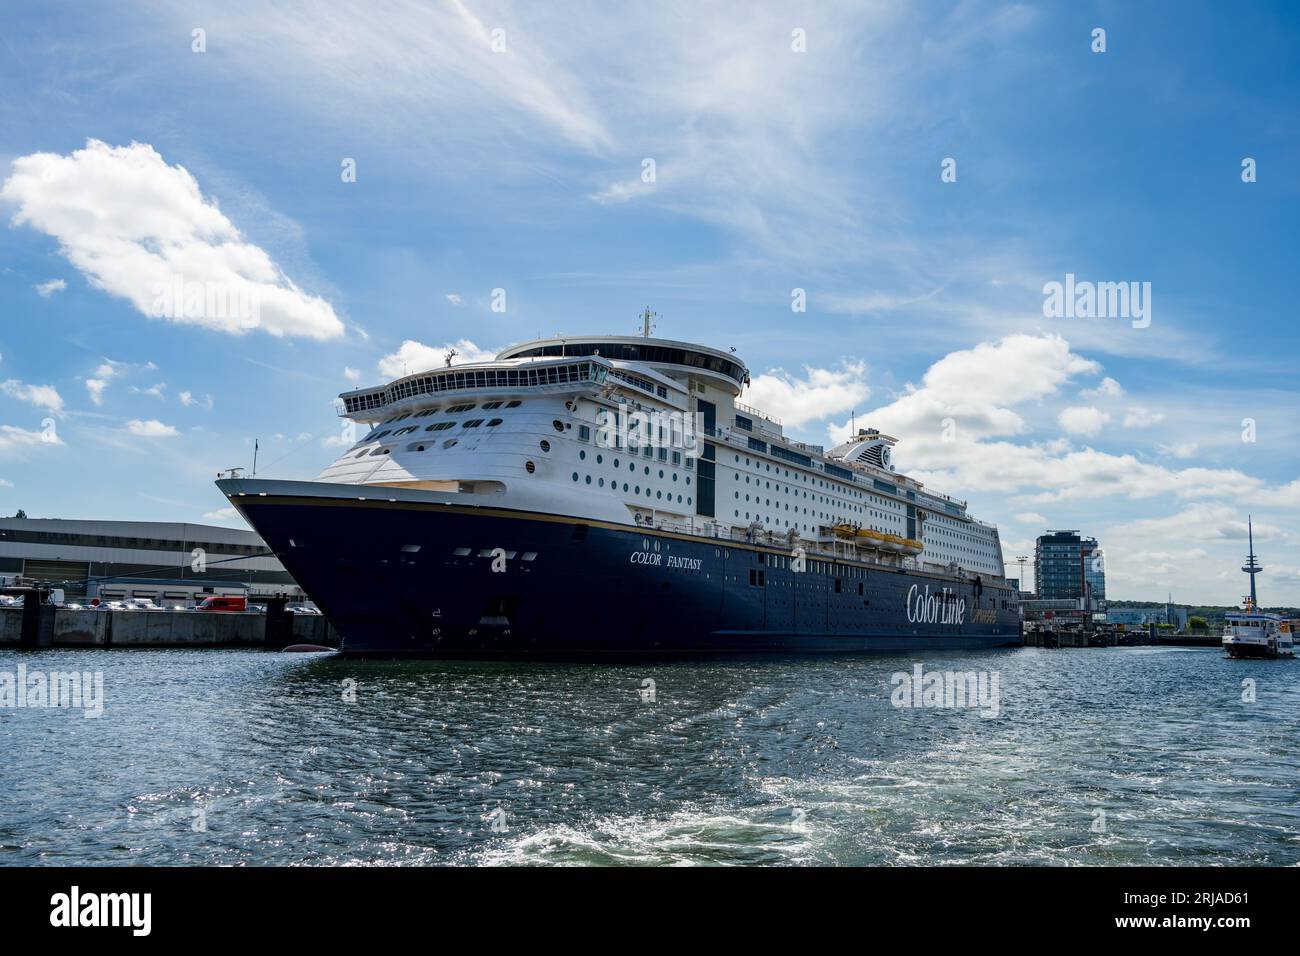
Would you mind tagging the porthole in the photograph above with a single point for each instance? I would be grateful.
(450, 442)
(558, 425)
(529, 467)
(544, 445)
(582, 455)
(575, 476)
(589, 479)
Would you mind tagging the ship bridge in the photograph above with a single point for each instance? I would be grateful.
(676, 359)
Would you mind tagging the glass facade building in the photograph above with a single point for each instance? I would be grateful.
(1068, 567)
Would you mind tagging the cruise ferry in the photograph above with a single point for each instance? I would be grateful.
(611, 495)
(1251, 632)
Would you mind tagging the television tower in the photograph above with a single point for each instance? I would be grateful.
(1251, 567)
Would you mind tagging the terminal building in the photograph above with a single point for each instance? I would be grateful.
(168, 562)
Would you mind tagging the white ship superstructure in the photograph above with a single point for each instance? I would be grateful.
(524, 432)
(607, 495)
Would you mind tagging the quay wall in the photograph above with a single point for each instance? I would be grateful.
(91, 628)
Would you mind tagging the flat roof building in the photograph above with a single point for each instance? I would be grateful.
(1069, 567)
(163, 560)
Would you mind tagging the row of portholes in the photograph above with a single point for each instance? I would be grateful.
(636, 490)
(631, 465)
(411, 447)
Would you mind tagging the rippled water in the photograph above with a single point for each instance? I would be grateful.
(784, 761)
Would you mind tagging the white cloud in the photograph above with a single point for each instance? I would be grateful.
(153, 391)
(976, 388)
(42, 396)
(189, 399)
(455, 299)
(1184, 449)
(1108, 388)
(1082, 420)
(622, 192)
(819, 393)
(1141, 418)
(1031, 517)
(47, 289)
(415, 357)
(351, 374)
(981, 390)
(151, 428)
(136, 227)
(97, 384)
(12, 437)
(222, 514)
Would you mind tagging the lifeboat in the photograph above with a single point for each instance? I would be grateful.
(879, 540)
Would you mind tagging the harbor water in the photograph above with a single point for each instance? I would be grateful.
(243, 757)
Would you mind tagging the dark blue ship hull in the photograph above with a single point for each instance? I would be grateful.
(429, 580)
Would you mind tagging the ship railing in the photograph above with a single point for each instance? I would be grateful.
(750, 409)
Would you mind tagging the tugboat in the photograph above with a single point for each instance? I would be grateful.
(1251, 632)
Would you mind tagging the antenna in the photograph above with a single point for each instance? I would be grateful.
(451, 354)
(1251, 567)
(255, 465)
(646, 326)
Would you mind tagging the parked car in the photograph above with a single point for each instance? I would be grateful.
(223, 602)
(141, 604)
(303, 609)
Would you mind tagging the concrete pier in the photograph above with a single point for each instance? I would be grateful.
(63, 627)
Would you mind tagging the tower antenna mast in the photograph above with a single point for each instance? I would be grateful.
(1251, 567)
(646, 317)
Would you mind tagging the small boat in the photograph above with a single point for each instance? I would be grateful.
(1254, 633)
(1251, 632)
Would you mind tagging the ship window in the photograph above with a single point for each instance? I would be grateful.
(558, 425)
(449, 442)
(529, 556)
(361, 453)
(494, 422)
(575, 476)
(584, 433)
(582, 455)
(452, 410)
(529, 467)
(514, 404)
(490, 405)
(472, 423)
(545, 445)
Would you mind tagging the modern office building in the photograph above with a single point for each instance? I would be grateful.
(169, 562)
(1069, 567)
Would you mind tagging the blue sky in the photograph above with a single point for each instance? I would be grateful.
(123, 151)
